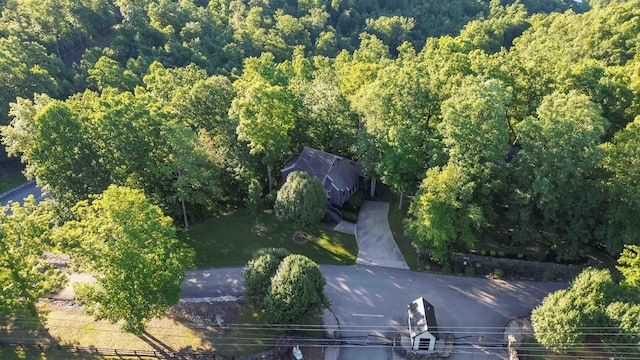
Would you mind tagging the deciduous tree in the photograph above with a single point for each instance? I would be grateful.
(301, 200)
(559, 322)
(131, 249)
(24, 275)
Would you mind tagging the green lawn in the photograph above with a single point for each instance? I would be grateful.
(10, 179)
(231, 239)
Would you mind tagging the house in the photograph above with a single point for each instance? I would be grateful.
(339, 176)
(423, 328)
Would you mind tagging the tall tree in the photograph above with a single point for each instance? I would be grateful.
(58, 153)
(629, 266)
(131, 249)
(302, 200)
(621, 205)
(443, 215)
(24, 276)
(561, 180)
(396, 134)
(266, 111)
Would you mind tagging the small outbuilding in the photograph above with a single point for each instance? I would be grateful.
(423, 327)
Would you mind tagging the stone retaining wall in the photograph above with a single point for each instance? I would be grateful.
(518, 269)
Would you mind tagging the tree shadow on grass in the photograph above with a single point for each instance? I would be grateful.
(157, 345)
(25, 335)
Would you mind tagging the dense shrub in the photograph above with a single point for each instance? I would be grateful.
(559, 321)
(297, 291)
(470, 271)
(258, 273)
(349, 216)
(446, 268)
(355, 201)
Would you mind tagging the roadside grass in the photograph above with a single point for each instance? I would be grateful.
(232, 238)
(68, 326)
(10, 179)
(396, 218)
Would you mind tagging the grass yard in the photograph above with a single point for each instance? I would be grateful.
(231, 240)
(243, 331)
(10, 178)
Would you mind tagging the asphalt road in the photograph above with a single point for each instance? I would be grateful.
(18, 194)
(370, 305)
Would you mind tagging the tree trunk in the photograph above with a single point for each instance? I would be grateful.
(269, 176)
(400, 201)
(373, 186)
(184, 214)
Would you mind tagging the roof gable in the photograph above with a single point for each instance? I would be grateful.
(422, 318)
(332, 170)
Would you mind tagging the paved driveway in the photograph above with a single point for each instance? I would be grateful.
(376, 245)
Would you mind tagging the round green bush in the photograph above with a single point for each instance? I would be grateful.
(301, 200)
(297, 292)
(492, 253)
(501, 253)
(497, 273)
(258, 273)
(483, 252)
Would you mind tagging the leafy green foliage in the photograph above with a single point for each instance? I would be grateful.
(443, 215)
(297, 291)
(559, 320)
(565, 173)
(625, 341)
(622, 189)
(131, 249)
(258, 273)
(301, 200)
(629, 266)
(24, 276)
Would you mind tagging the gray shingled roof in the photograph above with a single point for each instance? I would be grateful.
(342, 173)
(314, 162)
(422, 317)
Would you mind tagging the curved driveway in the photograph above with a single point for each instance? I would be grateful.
(376, 245)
